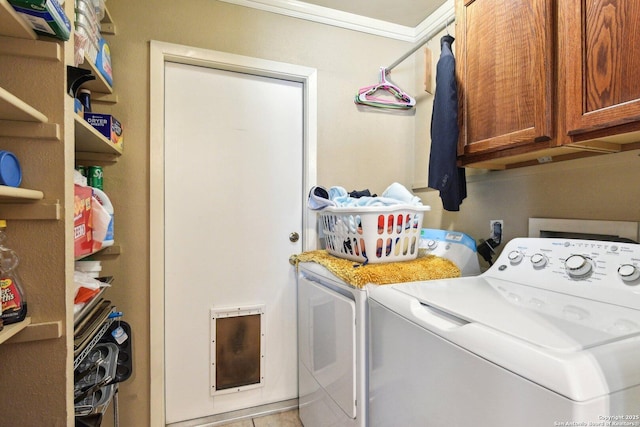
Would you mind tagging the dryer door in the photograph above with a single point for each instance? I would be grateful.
(327, 344)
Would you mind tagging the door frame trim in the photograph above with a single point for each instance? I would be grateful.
(161, 52)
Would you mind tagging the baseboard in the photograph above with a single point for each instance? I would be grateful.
(239, 415)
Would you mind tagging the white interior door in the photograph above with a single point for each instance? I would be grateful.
(233, 193)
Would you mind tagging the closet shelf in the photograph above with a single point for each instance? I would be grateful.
(13, 108)
(30, 48)
(29, 130)
(26, 204)
(106, 25)
(10, 330)
(89, 140)
(104, 98)
(20, 120)
(26, 331)
(17, 38)
(109, 250)
(37, 332)
(100, 84)
(18, 208)
(12, 25)
(16, 194)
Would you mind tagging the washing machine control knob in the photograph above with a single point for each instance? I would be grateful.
(578, 266)
(432, 244)
(539, 260)
(515, 257)
(628, 272)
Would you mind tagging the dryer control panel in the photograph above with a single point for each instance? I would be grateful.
(599, 270)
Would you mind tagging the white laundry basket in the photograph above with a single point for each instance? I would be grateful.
(373, 234)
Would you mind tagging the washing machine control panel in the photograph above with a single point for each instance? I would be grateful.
(453, 245)
(600, 270)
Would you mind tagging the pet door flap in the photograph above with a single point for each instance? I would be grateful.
(237, 349)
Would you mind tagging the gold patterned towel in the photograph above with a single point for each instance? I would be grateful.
(429, 267)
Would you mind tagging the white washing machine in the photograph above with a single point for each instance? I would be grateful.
(333, 336)
(548, 336)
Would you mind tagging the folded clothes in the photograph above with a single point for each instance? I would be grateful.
(395, 194)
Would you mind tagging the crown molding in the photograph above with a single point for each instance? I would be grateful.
(436, 21)
(324, 15)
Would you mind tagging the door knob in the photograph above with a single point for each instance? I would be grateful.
(294, 237)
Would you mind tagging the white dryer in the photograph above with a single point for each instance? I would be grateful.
(333, 336)
(548, 336)
(332, 350)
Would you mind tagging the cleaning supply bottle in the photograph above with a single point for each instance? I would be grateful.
(14, 303)
(103, 199)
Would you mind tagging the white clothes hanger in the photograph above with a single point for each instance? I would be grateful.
(399, 100)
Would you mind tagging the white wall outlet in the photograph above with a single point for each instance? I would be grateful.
(496, 229)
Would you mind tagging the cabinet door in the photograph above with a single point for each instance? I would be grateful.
(505, 66)
(603, 65)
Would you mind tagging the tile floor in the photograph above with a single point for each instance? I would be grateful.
(282, 419)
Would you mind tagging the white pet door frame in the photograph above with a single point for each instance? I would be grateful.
(237, 349)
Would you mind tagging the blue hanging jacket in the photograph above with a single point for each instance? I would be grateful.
(444, 174)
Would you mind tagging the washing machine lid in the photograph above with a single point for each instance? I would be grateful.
(547, 319)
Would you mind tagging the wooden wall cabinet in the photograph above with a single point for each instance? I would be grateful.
(603, 65)
(543, 81)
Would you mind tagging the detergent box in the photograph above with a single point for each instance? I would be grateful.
(103, 61)
(44, 16)
(82, 221)
(107, 125)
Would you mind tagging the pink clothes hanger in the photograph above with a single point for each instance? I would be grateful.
(399, 99)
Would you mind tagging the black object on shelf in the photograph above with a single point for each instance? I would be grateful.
(125, 354)
(93, 420)
(76, 77)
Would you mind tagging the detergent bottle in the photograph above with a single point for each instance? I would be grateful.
(14, 303)
(102, 220)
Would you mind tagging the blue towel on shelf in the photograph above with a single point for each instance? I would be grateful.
(444, 174)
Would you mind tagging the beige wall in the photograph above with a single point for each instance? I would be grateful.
(603, 187)
(355, 149)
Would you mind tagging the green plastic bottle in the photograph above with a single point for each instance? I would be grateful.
(14, 303)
